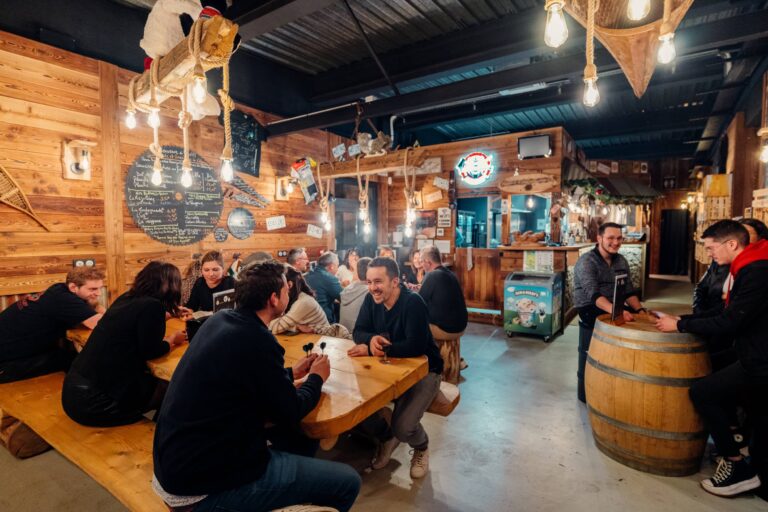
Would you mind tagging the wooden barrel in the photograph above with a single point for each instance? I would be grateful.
(637, 382)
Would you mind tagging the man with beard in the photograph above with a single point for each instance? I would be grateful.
(594, 280)
(31, 331)
(395, 320)
(210, 448)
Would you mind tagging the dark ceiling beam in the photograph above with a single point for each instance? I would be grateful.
(687, 73)
(513, 38)
(258, 17)
(691, 40)
(641, 151)
(670, 120)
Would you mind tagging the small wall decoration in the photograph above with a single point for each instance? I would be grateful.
(302, 171)
(11, 195)
(220, 234)
(76, 159)
(241, 223)
(475, 168)
(440, 231)
(314, 231)
(169, 212)
(426, 223)
(434, 197)
(241, 184)
(277, 222)
(614, 167)
(443, 217)
(441, 183)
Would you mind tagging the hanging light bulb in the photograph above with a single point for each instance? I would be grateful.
(157, 173)
(327, 225)
(199, 90)
(410, 215)
(227, 172)
(408, 231)
(363, 213)
(289, 187)
(667, 50)
(638, 9)
(130, 119)
(591, 92)
(605, 210)
(85, 159)
(367, 228)
(153, 119)
(764, 153)
(324, 217)
(186, 176)
(530, 203)
(555, 31)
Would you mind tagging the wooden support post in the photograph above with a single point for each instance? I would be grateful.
(113, 180)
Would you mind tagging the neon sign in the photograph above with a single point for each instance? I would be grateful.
(475, 168)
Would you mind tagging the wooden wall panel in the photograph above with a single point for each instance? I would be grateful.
(48, 96)
(482, 285)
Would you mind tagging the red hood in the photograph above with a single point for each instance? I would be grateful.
(753, 252)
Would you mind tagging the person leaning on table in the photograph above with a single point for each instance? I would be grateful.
(210, 447)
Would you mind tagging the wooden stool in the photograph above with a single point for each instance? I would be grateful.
(450, 350)
(446, 400)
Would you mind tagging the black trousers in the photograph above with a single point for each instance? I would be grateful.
(716, 395)
(585, 336)
(41, 364)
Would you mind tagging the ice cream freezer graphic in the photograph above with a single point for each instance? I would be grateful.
(533, 304)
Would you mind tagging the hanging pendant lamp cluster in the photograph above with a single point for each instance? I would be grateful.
(198, 83)
(556, 34)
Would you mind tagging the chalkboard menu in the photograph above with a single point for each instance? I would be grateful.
(169, 212)
(247, 135)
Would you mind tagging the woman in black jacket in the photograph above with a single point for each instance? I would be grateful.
(109, 383)
(213, 280)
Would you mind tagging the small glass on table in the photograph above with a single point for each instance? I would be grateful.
(385, 348)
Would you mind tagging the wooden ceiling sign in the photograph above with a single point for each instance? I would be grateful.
(633, 46)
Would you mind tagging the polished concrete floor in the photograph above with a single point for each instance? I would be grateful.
(519, 441)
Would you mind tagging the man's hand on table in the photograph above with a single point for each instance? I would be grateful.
(320, 366)
(360, 350)
(185, 313)
(306, 329)
(377, 345)
(177, 338)
(628, 317)
(301, 368)
(667, 323)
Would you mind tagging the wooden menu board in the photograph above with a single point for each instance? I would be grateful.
(169, 212)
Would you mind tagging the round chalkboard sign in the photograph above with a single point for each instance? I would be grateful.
(241, 223)
(169, 212)
(220, 234)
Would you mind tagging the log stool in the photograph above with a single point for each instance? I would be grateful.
(449, 344)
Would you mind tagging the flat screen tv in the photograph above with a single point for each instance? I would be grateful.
(536, 146)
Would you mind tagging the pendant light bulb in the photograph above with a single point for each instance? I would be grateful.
(367, 228)
(667, 50)
(227, 172)
(153, 119)
(591, 92)
(530, 203)
(764, 153)
(289, 187)
(410, 215)
(327, 225)
(555, 31)
(186, 177)
(85, 160)
(638, 9)
(324, 217)
(199, 89)
(130, 119)
(363, 213)
(408, 231)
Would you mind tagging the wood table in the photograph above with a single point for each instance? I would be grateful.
(356, 388)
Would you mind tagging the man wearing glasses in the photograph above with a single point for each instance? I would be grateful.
(745, 382)
(594, 279)
(298, 259)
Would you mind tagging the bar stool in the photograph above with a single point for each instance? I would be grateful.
(449, 344)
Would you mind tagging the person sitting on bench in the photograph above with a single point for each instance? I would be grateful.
(31, 331)
(213, 280)
(109, 383)
(210, 449)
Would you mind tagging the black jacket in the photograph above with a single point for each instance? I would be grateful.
(709, 290)
(406, 323)
(210, 433)
(745, 318)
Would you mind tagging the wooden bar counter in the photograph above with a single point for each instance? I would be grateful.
(356, 388)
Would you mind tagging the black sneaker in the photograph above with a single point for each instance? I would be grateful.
(731, 478)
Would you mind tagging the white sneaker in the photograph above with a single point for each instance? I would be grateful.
(419, 463)
(384, 453)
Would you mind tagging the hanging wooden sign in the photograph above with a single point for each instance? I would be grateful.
(529, 183)
(169, 212)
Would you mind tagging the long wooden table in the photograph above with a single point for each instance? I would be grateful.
(356, 388)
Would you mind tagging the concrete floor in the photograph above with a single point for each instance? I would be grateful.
(519, 441)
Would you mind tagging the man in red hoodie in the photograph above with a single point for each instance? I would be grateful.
(745, 382)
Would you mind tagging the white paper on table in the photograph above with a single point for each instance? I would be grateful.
(314, 231)
(277, 222)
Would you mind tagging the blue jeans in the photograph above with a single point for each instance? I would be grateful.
(290, 480)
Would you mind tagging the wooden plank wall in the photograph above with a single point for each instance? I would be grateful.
(49, 95)
(483, 288)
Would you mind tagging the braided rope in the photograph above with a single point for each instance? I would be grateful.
(410, 188)
(363, 194)
(324, 193)
(185, 120)
(591, 32)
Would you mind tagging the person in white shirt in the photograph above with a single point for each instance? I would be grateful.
(353, 295)
(347, 272)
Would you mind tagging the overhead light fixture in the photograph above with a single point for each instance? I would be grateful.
(530, 203)
(638, 9)
(556, 30)
(130, 119)
(591, 93)
(667, 50)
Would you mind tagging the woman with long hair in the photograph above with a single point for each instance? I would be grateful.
(109, 382)
(413, 275)
(213, 280)
(304, 313)
(347, 273)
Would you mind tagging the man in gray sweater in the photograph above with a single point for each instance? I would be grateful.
(594, 278)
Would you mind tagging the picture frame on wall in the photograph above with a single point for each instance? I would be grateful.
(425, 224)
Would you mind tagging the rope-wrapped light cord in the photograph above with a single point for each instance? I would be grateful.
(590, 71)
(363, 194)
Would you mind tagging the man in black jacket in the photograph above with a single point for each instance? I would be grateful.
(394, 320)
(744, 382)
(210, 448)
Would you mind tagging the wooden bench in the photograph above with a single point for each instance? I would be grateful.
(119, 458)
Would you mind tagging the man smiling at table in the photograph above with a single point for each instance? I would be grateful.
(394, 319)
(210, 446)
